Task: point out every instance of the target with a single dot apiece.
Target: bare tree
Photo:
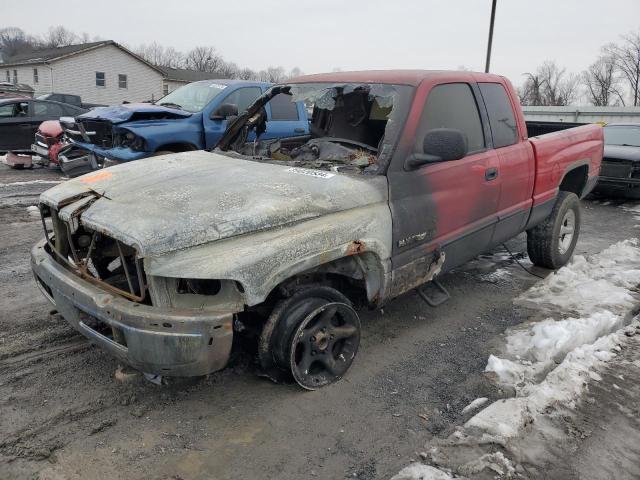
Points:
(160, 55)
(173, 58)
(627, 58)
(295, 72)
(59, 37)
(13, 41)
(247, 74)
(204, 59)
(272, 75)
(549, 85)
(602, 83)
(228, 70)
(531, 92)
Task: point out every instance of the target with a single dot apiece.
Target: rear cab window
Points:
(502, 120)
(452, 105)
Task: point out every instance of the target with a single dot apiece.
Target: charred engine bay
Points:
(351, 128)
(333, 154)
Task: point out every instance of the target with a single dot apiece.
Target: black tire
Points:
(276, 348)
(548, 243)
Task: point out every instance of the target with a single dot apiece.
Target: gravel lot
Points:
(69, 412)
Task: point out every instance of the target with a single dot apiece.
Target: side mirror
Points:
(224, 111)
(439, 145)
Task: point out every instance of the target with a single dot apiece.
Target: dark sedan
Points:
(620, 172)
(20, 117)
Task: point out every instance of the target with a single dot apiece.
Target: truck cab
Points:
(192, 117)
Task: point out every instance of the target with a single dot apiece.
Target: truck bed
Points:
(558, 152)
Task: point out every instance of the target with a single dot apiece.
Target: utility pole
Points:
(493, 17)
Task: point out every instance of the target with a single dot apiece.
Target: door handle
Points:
(24, 125)
(298, 130)
(491, 174)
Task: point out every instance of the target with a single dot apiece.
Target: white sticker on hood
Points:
(310, 173)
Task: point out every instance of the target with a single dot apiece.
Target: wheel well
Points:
(354, 276)
(575, 180)
(176, 147)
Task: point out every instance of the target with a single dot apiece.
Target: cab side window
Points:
(47, 110)
(11, 110)
(243, 97)
(501, 118)
(452, 105)
(283, 107)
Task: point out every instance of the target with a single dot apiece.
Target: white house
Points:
(177, 77)
(100, 72)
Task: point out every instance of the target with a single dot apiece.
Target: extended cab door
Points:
(448, 206)
(214, 127)
(516, 160)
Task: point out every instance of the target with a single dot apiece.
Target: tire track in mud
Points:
(32, 356)
(39, 441)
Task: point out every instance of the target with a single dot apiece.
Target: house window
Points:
(122, 81)
(165, 89)
(100, 81)
(15, 76)
(8, 76)
(35, 75)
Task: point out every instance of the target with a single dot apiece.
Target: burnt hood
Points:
(621, 152)
(130, 112)
(162, 204)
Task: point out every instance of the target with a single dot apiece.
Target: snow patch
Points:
(597, 292)
(418, 471)
(599, 282)
(550, 363)
(477, 403)
(496, 276)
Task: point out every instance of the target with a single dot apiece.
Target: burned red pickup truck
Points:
(405, 175)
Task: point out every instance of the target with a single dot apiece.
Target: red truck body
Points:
(471, 210)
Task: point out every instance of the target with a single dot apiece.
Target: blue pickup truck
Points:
(192, 117)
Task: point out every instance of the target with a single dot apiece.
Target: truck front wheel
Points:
(551, 244)
(313, 336)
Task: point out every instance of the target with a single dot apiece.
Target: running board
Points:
(433, 293)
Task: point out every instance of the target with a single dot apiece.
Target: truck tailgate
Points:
(558, 152)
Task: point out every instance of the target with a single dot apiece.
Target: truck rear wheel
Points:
(312, 336)
(551, 244)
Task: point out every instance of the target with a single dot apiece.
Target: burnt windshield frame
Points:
(401, 98)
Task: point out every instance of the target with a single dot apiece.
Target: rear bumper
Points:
(155, 340)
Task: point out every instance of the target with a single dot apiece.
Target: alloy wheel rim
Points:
(324, 345)
(567, 231)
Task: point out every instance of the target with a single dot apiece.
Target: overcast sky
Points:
(323, 35)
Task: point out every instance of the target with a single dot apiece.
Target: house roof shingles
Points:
(39, 56)
(184, 75)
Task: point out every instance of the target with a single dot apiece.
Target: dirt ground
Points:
(67, 412)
